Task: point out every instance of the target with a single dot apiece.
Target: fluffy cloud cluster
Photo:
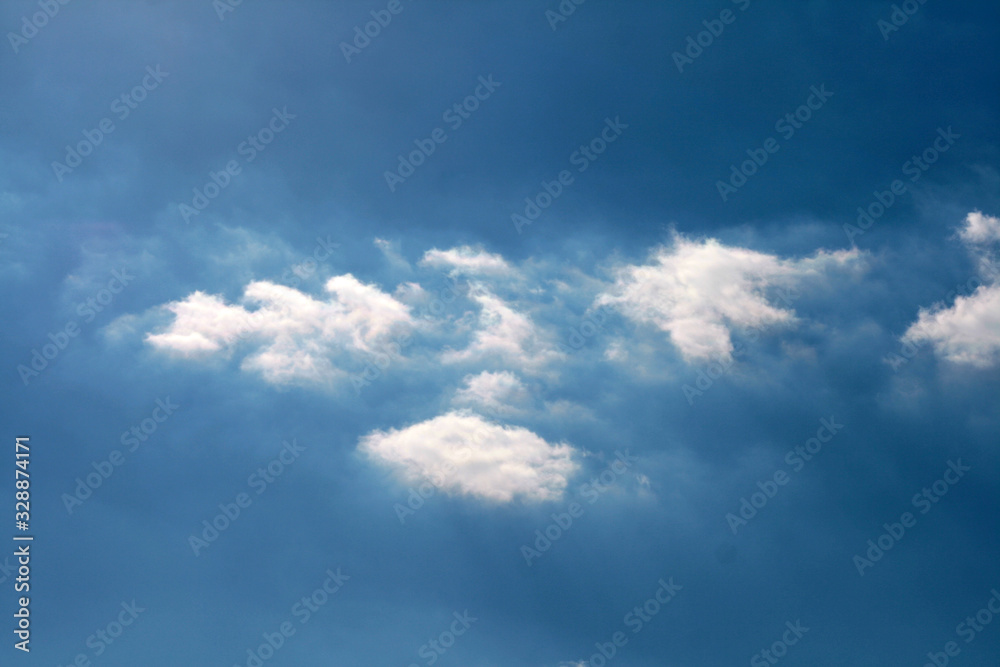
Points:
(297, 337)
(695, 291)
(698, 292)
(504, 335)
(980, 229)
(463, 454)
(968, 332)
(493, 393)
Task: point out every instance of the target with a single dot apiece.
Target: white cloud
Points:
(463, 454)
(616, 351)
(506, 335)
(968, 332)
(469, 261)
(698, 292)
(296, 336)
(203, 323)
(980, 229)
(495, 393)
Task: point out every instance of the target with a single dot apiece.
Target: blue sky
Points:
(503, 333)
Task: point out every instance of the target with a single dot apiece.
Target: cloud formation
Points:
(297, 336)
(469, 261)
(504, 336)
(968, 332)
(980, 229)
(463, 454)
(493, 393)
(698, 292)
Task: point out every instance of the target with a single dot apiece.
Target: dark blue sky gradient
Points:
(323, 176)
